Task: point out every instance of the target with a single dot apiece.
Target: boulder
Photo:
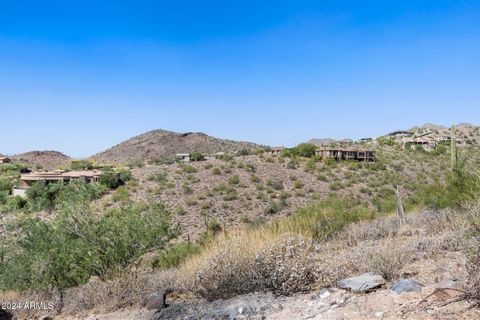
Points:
(156, 301)
(407, 285)
(364, 283)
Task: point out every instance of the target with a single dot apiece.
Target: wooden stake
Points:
(400, 211)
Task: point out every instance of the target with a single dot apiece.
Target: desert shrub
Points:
(254, 179)
(188, 169)
(234, 180)
(174, 255)
(335, 185)
(121, 195)
(205, 205)
(304, 150)
(191, 201)
(388, 260)
(285, 266)
(460, 186)
(42, 196)
(5, 185)
(208, 166)
(275, 184)
(216, 171)
(197, 156)
(385, 201)
(160, 177)
(77, 244)
(273, 207)
(226, 271)
(310, 165)
(243, 152)
(180, 211)
(225, 157)
(230, 195)
(324, 218)
(186, 189)
(321, 177)
(81, 165)
(292, 164)
(113, 179)
(16, 203)
(298, 184)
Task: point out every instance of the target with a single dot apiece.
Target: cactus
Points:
(453, 146)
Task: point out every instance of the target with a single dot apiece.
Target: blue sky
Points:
(81, 76)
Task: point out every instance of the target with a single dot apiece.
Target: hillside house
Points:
(448, 139)
(183, 157)
(27, 179)
(400, 134)
(5, 160)
(427, 143)
(276, 150)
(346, 154)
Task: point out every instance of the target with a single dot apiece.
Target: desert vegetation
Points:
(243, 224)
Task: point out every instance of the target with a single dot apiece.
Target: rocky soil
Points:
(437, 297)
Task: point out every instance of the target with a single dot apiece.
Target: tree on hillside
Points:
(304, 150)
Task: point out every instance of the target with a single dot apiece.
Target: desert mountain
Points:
(165, 144)
(430, 127)
(43, 159)
(322, 141)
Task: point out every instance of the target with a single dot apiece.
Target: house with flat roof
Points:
(346, 154)
(27, 179)
(183, 157)
(5, 160)
(427, 143)
(276, 150)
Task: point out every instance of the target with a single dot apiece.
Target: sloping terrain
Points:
(46, 160)
(424, 266)
(160, 144)
(255, 189)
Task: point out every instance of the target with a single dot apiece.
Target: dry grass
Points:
(280, 260)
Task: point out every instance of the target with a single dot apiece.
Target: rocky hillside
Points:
(258, 188)
(46, 160)
(159, 144)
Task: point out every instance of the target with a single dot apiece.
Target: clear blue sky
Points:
(80, 76)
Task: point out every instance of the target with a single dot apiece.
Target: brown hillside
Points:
(165, 144)
(43, 159)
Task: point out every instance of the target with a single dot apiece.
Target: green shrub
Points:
(234, 180)
(322, 219)
(112, 179)
(81, 165)
(304, 150)
(187, 189)
(292, 164)
(174, 255)
(78, 244)
(121, 195)
(298, 184)
(197, 156)
(16, 203)
(275, 184)
(160, 177)
(189, 169)
(42, 196)
(310, 165)
(5, 185)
